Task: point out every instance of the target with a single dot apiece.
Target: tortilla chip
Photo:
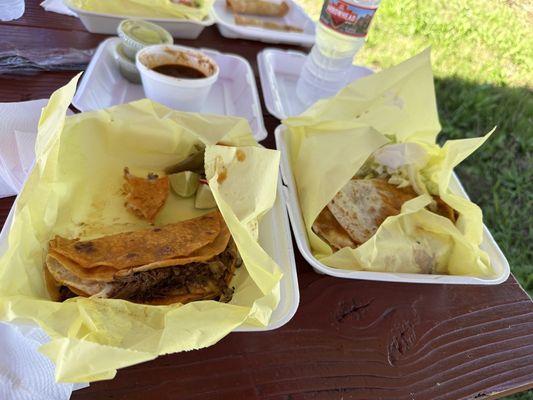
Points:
(145, 196)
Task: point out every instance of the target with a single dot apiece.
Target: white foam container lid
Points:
(234, 93)
(279, 71)
(107, 24)
(296, 17)
(274, 238)
(498, 260)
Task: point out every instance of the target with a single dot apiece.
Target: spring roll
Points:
(247, 21)
(258, 7)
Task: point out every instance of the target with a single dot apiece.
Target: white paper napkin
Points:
(25, 374)
(17, 142)
(57, 6)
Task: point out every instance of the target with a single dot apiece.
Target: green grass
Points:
(483, 64)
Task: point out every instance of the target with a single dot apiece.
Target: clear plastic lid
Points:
(136, 34)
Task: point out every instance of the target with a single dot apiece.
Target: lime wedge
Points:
(204, 198)
(184, 183)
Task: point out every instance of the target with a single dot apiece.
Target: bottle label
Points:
(346, 17)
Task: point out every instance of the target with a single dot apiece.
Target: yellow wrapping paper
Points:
(394, 111)
(146, 8)
(74, 190)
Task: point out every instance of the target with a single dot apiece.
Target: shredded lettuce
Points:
(399, 172)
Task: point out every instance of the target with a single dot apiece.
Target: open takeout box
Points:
(498, 260)
(332, 140)
(103, 16)
(73, 189)
(295, 17)
(279, 71)
(234, 93)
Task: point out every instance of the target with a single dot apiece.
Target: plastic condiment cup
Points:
(177, 93)
(137, 34)
(126, 66)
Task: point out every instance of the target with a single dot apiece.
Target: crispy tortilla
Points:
(355, 213)
(132, 249)
(258, 7)
(444, 209)
(362, 205)
(145, 196)
(259, 23)
(190, 260)
(329, 229)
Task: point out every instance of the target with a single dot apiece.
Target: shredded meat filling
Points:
(178, 280)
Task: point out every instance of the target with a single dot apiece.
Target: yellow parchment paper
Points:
(74, 191)
(145, 8)
(394, 111)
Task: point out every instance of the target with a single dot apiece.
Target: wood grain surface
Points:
(349, 339)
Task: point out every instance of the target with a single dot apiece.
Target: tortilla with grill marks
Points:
(357, 210)
(187, 261)
(131, 249)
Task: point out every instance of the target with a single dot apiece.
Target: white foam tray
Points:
(274, 238)
(279, 71)
(498, 260)
(234, 93)
(107, 23)
(296, 16)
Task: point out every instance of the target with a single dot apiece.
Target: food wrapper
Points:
(180, 9)
(74, 191)
(394, 111)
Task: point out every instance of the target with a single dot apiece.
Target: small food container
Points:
(179, 91)
(137, 34)
(126, 66)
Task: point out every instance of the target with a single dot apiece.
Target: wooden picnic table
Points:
(349, 339)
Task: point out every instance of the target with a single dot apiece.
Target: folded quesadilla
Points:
(176, 263)
(355, 213)
(258, 7)
(145, 196)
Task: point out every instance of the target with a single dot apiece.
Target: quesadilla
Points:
(176, 263)
(145, 196)
(355, 213)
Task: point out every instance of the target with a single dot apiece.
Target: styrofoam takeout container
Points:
(279, 71)
(498, 261)
(296, 17)
(107, 23)
(234, 92)
(274, 238)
